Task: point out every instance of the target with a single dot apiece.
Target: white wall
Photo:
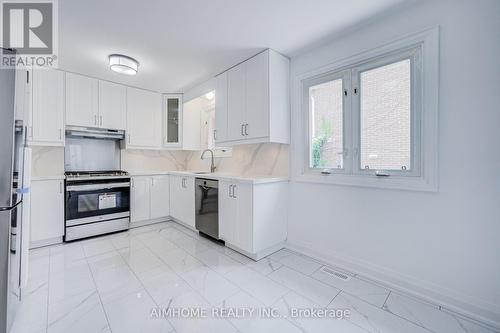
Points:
(444, 246)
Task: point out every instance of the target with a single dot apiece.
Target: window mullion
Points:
(355, 123)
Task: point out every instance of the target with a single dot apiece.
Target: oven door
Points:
(88, 202)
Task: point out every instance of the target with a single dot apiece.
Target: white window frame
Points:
(414, 54)
(423, 51)
(346, 105)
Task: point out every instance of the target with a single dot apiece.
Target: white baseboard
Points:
(46, 242)
(450, 300)
(148, 222)
(259, 255)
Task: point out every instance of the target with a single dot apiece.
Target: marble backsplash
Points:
(47, 161)
(153, 160)
(267, 159)
(247, 160)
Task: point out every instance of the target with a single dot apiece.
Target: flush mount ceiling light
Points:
(123, 64)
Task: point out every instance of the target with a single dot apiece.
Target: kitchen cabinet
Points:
(257, 112)
(182, 199)
(46, 115)
(160, 197)
(191, 123)
(235, 216)
(149, 199)
(144, 119)
(112, 105)
(140, 199)
(221, 114)
(253, 103)
(23, 95)
(82, 101)
(235, 103)
(94, 103)
(252, 217)
(172, 120)
(46, 212)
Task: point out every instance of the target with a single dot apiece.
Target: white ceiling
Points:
(180, 43)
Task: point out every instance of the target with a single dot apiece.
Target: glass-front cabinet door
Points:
(172, 116)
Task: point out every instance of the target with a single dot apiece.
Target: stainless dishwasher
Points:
(207, 207)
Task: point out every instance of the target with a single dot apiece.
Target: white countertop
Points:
(217, 176)
(258, 179)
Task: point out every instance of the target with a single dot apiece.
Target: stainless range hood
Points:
(94, 133)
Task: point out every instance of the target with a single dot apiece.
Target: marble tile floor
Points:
(122, 282)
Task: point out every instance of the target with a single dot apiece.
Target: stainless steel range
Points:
(97, 202)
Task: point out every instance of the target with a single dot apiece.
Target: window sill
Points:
(391, 183)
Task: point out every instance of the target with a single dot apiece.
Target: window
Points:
(385, 117)
(364, 120)
(372, 119)
(327, 132)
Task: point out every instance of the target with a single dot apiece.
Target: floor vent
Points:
(338, 275)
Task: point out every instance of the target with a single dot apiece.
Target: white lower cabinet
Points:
(252, 217)
(140, 199)
(160, 197)
(235, 214)
(182, 199)
(149, 199)
(46, 212)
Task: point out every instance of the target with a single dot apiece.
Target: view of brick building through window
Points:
(385, 120)
(327, 118)
(385, 117)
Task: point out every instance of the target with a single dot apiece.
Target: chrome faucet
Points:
(212, 165)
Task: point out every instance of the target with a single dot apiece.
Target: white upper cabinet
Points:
(112, 105)
(257, 111)
(257, 106)
(81, 101)
(221, 107)
(235, 103)
(144, 119)
(46, 118)
(191, 123)
(94, 103)
(172, 120)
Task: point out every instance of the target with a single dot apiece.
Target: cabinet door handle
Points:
(31, 131)
(61, 187)
(60, 134)
(129, 139)
(100, 120)
(230, 194)
(246, 129)
(234, 191)
(215, 134)
(242, 133)
(95, 120)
